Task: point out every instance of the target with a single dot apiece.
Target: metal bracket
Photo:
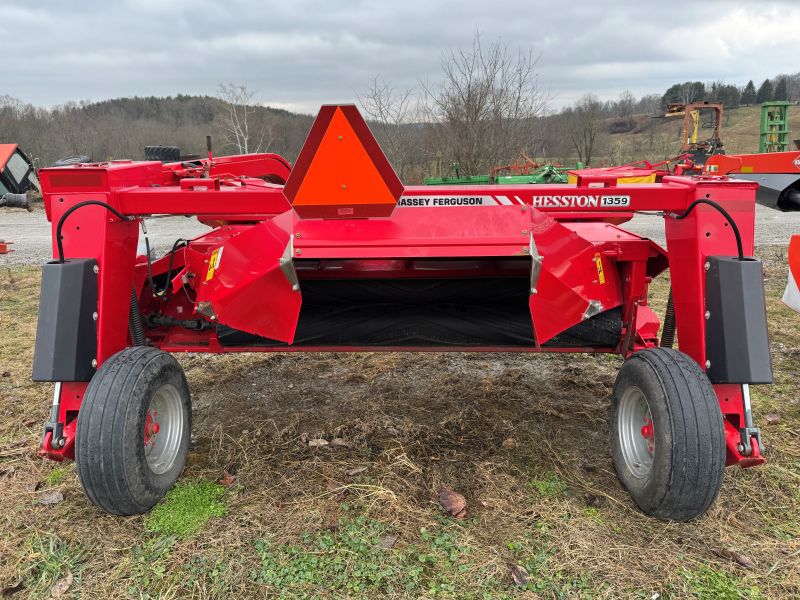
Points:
(287, 264)
(749, 431)
(746, 434)
(55, 427)
(536, 263)
(595, 307)
(204, 308)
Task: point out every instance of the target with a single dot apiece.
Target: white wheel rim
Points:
(163, 429)
(636, 433)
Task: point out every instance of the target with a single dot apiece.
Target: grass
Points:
(48, 558)
(186, 508)
(549, 487)
(57, 475)
(705, 582)
(349, 560)
(551, 504)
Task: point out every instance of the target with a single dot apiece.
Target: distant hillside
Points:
(740, 133)
(122, 127)
(655, 138)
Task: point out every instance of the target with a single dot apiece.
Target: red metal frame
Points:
(769, 162)
(581, 260)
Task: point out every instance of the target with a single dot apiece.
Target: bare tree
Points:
(649, 104)
(624, 107)
(391, 112)
(239, 120)
(585, 126)
(485, 109)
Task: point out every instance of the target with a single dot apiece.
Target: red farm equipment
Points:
(17, 177)
(777, 173)
(335, 254)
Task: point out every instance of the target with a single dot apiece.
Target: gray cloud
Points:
(303, 53)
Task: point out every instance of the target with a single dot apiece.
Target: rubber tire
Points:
(109, 445)
(689, 455)
(163, 153)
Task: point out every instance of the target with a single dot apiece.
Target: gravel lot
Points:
(30, 232)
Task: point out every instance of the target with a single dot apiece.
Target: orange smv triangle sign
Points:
(341, 171)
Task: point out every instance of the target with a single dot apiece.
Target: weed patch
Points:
(49, 559)
(57, 474)
(550, 486)
(355, 559)
(186, 509)
(706, 582)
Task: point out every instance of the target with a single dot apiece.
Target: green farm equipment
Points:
(544, 174)
(528, 172)
(774, 136)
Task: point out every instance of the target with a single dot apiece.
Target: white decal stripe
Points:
(439, 201)
(504, 200)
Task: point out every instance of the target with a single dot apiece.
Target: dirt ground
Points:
(523, 438)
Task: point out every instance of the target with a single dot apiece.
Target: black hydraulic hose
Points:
(135, 325)
(668, 333)
(135, 318)
(162, 292)
(724, 213)
(180, 242)
(72, 209)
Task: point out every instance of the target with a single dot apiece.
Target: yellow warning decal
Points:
(213, 263)
(601, 276)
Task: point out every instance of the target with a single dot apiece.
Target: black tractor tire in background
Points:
(162, 153)
(677, 474)
(123, 469)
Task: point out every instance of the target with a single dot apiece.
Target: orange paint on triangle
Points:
(342, 172)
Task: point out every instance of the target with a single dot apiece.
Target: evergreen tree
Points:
(764, 93)
(781, 92)
(749, 93)
(727, 94)
(686, 92)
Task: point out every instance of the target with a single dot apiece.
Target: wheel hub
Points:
(163, 429)
(648, 433)
(636, 432)
(151, 427)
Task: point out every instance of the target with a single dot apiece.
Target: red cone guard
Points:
(251, 285)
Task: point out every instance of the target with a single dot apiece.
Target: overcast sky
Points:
(299, 54)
